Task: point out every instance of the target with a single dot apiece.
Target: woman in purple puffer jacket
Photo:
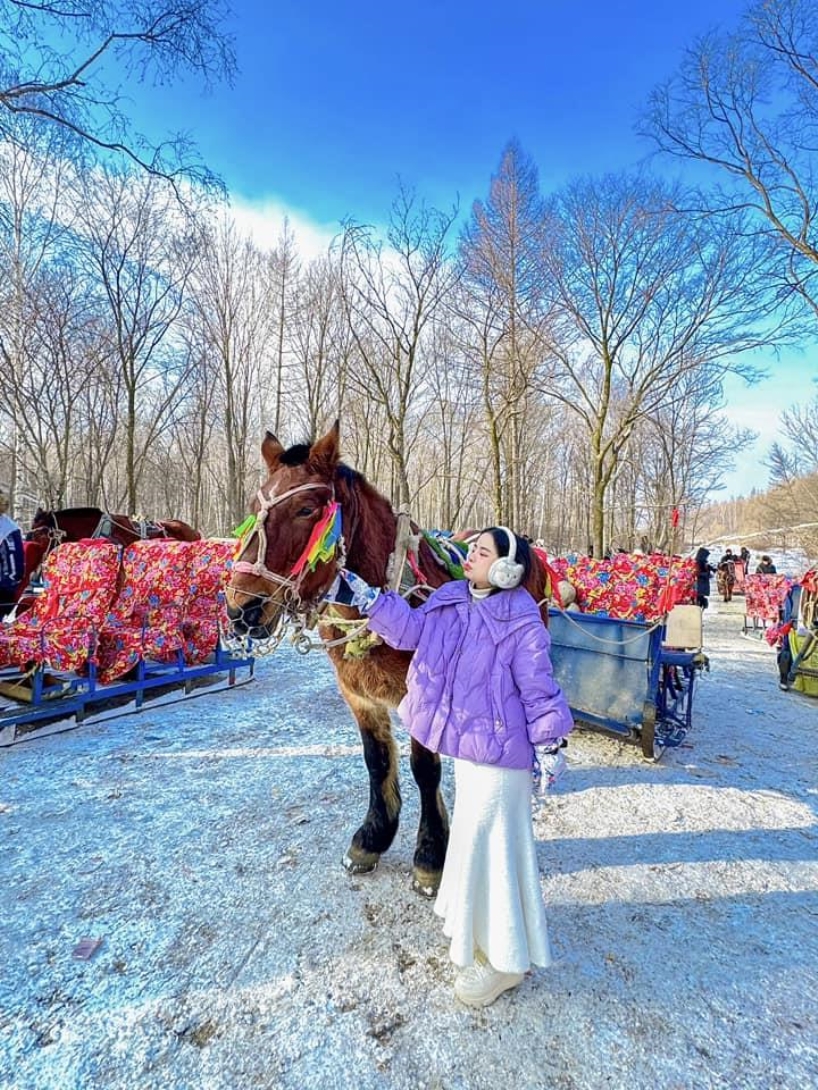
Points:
(481, 689)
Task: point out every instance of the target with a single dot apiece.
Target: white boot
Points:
(480, 984)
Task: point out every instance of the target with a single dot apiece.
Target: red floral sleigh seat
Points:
(764, 596)
(206, 609)
(60, 630)
(146, 619)
(629, 586)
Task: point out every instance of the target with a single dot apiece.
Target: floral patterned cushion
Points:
(206, 609)
(145, 621)
(60, 629)
(630, 587)
(764, 596)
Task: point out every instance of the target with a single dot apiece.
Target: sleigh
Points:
(629, 663)
(630, 677)
(764, 597)
(802, 638)
(114, 629)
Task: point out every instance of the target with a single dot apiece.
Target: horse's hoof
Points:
(425, 883)
(361, 863)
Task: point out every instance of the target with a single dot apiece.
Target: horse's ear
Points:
(324, 453)
(271, 450)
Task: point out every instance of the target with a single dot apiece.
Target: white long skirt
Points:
(490, 894)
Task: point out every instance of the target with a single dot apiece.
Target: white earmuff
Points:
(505, 573)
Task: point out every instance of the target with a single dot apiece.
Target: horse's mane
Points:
(369, 524)
(368, 517)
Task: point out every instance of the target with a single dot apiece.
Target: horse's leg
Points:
(433, 831)
(381, 755)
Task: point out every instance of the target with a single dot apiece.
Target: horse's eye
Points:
(305, 512)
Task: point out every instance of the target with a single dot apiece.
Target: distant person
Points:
(704, 570)
(766, 566)
(12, 562)
(745, 557)
(789, 616)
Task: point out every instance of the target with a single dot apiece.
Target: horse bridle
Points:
(55, 535)
(258, 568)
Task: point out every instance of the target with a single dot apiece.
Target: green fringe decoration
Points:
(244, 527)
(454, 569)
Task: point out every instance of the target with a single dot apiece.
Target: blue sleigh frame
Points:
(48, 701)
(617, 676)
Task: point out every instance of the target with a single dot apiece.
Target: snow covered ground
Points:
(202, 844)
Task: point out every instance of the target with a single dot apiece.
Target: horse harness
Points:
(307, 614)
(143, 528)
(290, 583)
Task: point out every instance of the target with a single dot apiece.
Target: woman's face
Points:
(481, 556)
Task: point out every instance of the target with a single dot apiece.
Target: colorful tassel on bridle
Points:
(323, 540)
(245, 527)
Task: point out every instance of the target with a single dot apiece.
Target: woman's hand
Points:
(350, 590)
(550, 765)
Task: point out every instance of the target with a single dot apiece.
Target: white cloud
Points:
(264, 221)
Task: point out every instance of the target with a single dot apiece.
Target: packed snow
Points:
(201, 842)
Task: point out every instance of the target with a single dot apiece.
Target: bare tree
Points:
(391, 295)
(645, 297)
(747, 104)
(793, 465)
(58, 62)
(33, 221)
(283, 269)
(797, 455)
(141, 252)
(450, 467)
(320, 345)
(63, 324)
(503, 302)
(682, 453)
(196, 445)
(231, 336)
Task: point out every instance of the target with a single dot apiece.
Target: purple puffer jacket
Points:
(480, 685)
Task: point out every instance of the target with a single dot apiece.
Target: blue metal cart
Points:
(619, 676)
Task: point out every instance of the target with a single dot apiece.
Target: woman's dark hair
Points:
(522, 549)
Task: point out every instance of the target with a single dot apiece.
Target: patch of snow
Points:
(202, 842)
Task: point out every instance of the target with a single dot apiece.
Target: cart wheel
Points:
(648, 732)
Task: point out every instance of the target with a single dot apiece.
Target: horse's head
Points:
(43, 527)
(286, 560)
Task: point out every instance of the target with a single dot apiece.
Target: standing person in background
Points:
(766, 566)
(745, 558)
(703, 572)
(481, 689)
(12, 563)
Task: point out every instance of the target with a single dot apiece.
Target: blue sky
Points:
(335, 101)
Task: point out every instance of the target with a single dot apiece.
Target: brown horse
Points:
(51, 528)
(301, 484)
